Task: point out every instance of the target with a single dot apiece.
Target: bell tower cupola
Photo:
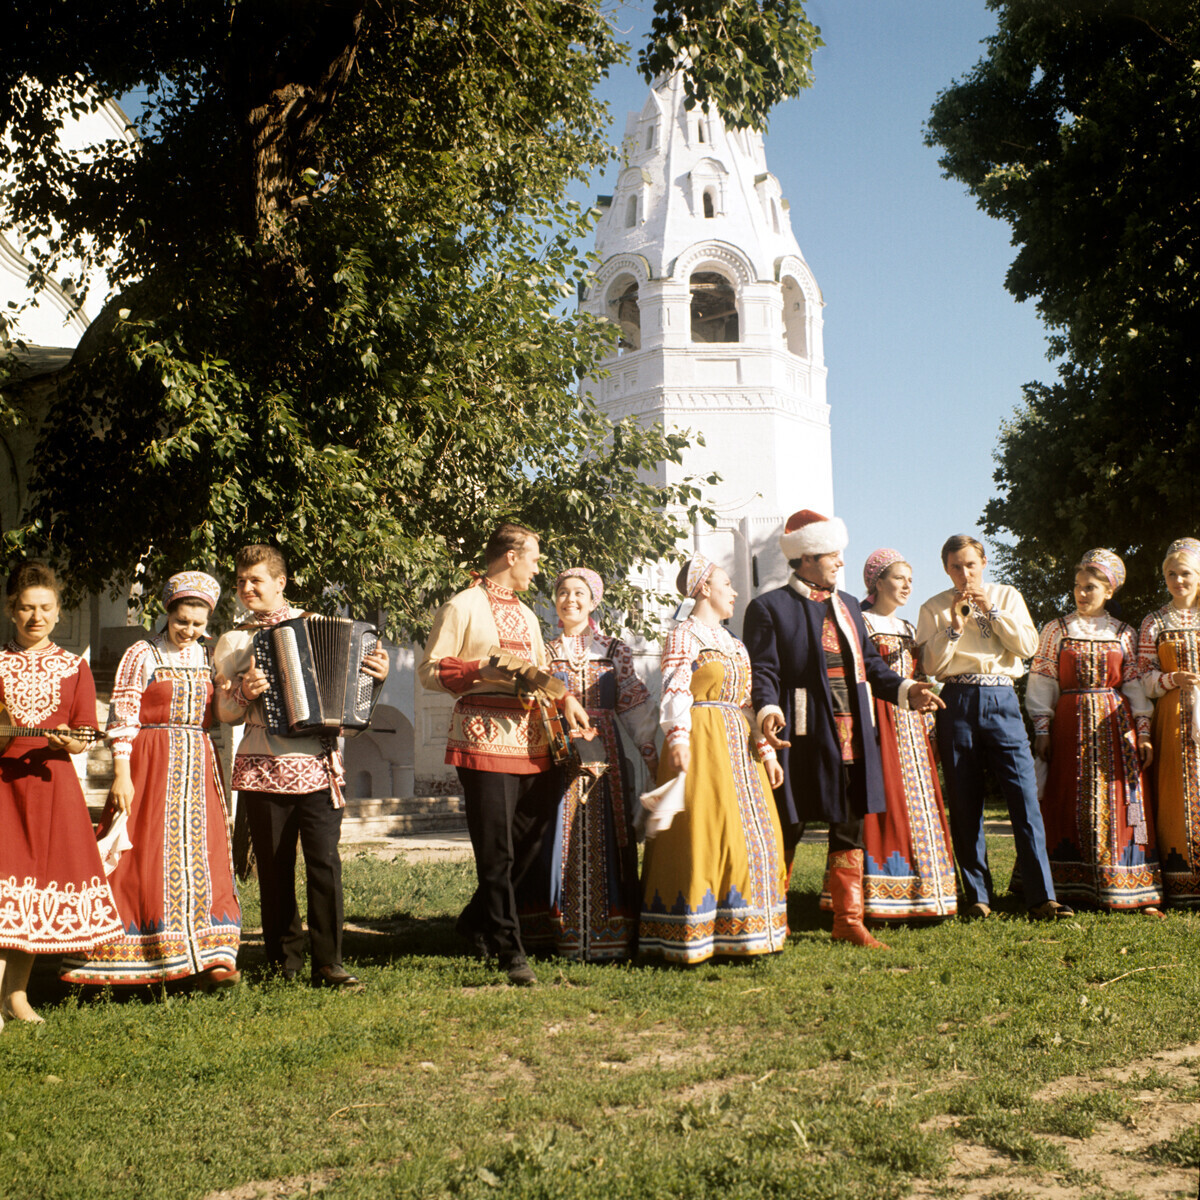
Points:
(720, 323)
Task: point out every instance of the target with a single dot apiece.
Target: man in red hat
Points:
(814, 672)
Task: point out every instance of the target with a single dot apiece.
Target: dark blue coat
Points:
(782, 632)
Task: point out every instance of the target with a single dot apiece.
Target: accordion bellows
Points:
(315, 681)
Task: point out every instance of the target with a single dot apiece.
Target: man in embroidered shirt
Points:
(291, 787)
(973, 637)
(497, 740)
(812, 661)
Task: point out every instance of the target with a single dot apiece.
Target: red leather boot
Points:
(846, 891)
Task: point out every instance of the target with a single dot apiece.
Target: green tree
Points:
(343, 258)
(1079, 128)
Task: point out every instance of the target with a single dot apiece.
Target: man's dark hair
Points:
(506, 536)
(960, 541)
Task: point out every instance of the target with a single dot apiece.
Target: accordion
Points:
(315, 681)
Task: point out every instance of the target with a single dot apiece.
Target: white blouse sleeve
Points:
(1131, 682)
(675, 709)
(124, 710)
(1153, 677)
(1043, 689)
(635, 709)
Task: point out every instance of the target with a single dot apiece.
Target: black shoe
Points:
(519, 972)
(336, 976)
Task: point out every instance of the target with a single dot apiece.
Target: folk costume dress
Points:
(591, 863)
(174, 889)
(715, 881)
(54, 897)
(1084, 692)
(1169, 642)
(908, 870)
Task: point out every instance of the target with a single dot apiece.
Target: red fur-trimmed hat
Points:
(808, 532)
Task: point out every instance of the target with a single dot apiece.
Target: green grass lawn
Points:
(824, 1072)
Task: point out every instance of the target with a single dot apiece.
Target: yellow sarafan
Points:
(715, 882)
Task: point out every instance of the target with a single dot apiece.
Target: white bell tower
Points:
(721, 328)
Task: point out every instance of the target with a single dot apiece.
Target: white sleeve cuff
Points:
(902, 698)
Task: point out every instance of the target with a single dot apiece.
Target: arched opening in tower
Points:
(714, 308)
(709, 208)
(623, 310)
(795, 322)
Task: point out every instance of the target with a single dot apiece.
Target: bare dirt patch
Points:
(1112, 1162)
(1181, 1066)
(277, 1189)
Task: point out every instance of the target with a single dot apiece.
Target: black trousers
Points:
(843, 835)
(276, 822)
(507, 817)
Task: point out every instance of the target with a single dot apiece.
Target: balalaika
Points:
(315, 681)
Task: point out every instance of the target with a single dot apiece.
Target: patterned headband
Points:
(1188, 546)
(875, 566)
(699, 571)
(1107, 563)
(594, 583)
(192, 585)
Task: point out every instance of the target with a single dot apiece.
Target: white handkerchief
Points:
(657, 809)
(114, 843)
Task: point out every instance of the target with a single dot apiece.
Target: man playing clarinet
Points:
(973, 638)
(497, 739)
(291, 786)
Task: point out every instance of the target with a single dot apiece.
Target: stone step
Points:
(375, 829)
(403, 806)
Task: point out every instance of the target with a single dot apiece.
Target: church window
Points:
(700, 129)
(710, 210)
(631, 212)
(795, 318)
(714, 308)
(650, 136)
(623, 310)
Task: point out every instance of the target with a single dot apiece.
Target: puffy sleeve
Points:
(675, 709)
(935, 641)
(231, 660)
(124, 710)
(635, 710)
(1012, 623)
(1043, 689)
(1131, 682)
(1155, 681)
(441, 669)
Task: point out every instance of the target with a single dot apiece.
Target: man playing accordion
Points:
(291, 786)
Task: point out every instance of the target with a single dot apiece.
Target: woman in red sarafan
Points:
(174, 889)
(1089, 713)
(909, 864)
(53, 894)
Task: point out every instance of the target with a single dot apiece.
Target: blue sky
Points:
(926, 350)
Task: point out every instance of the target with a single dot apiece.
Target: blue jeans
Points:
(982, 726)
